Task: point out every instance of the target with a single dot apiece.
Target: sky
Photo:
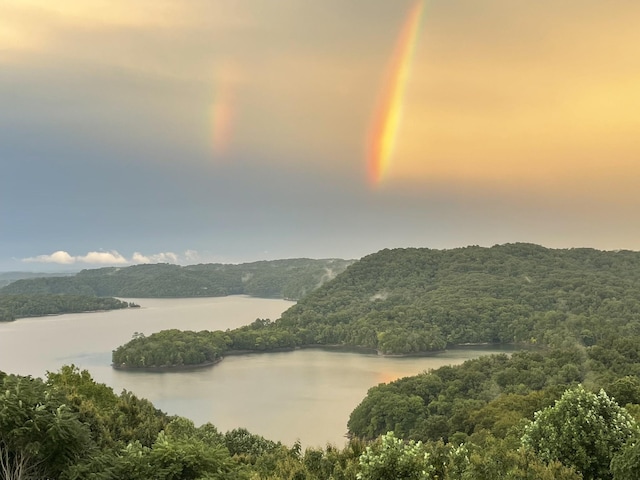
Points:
(231, 131)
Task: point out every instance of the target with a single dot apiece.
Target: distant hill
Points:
(7, 277)
(292, 278)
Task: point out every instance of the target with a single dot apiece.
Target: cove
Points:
(304, 395)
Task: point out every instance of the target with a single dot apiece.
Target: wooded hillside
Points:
(292, 278)
(410, 300)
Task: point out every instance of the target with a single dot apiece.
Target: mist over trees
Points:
(408, 300)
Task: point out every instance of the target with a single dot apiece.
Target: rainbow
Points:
(222, 118)
(387, 120)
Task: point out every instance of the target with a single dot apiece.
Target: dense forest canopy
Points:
(34, 305)
(292, 279)
(496, 392)
(411, 301)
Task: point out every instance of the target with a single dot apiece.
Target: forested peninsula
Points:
(417, 300)
(34, 305)
(290, 279)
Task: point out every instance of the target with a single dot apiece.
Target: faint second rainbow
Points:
(226, 78)
(386, 123)
(221, 118)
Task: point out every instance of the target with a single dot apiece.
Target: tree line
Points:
(18, 306)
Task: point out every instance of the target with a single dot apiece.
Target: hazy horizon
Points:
(228, 132)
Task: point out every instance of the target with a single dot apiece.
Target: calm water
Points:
(305, 394)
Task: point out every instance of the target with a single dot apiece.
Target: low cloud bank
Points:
(112, 257)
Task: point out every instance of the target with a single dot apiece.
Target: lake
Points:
(304, 395)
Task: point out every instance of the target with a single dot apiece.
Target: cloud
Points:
(112, 258)
(140, 258)
(107, 258)
(64, 258)
(191, 256)
(60, 257)
(163, 257)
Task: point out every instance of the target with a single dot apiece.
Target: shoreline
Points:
(167, 368)
(137, 306)
(46, 315)
(338, 348)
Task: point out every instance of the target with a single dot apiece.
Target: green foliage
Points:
(73, 428)
(183, 428)
(39, 435)
(176, 348)
(582, 429)
(249, 446)
(625, 465)
(33, 305)
(172, 348)
(95, 404)
(493, 392)
(390, 458)
(385, 411)
(489, 458)
(269, 279)
(625, 390)
(47, 285)
(168, 458)
(112, 419)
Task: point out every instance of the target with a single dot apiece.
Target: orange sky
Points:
(502, 94)
(532, 105)
(539, 97)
